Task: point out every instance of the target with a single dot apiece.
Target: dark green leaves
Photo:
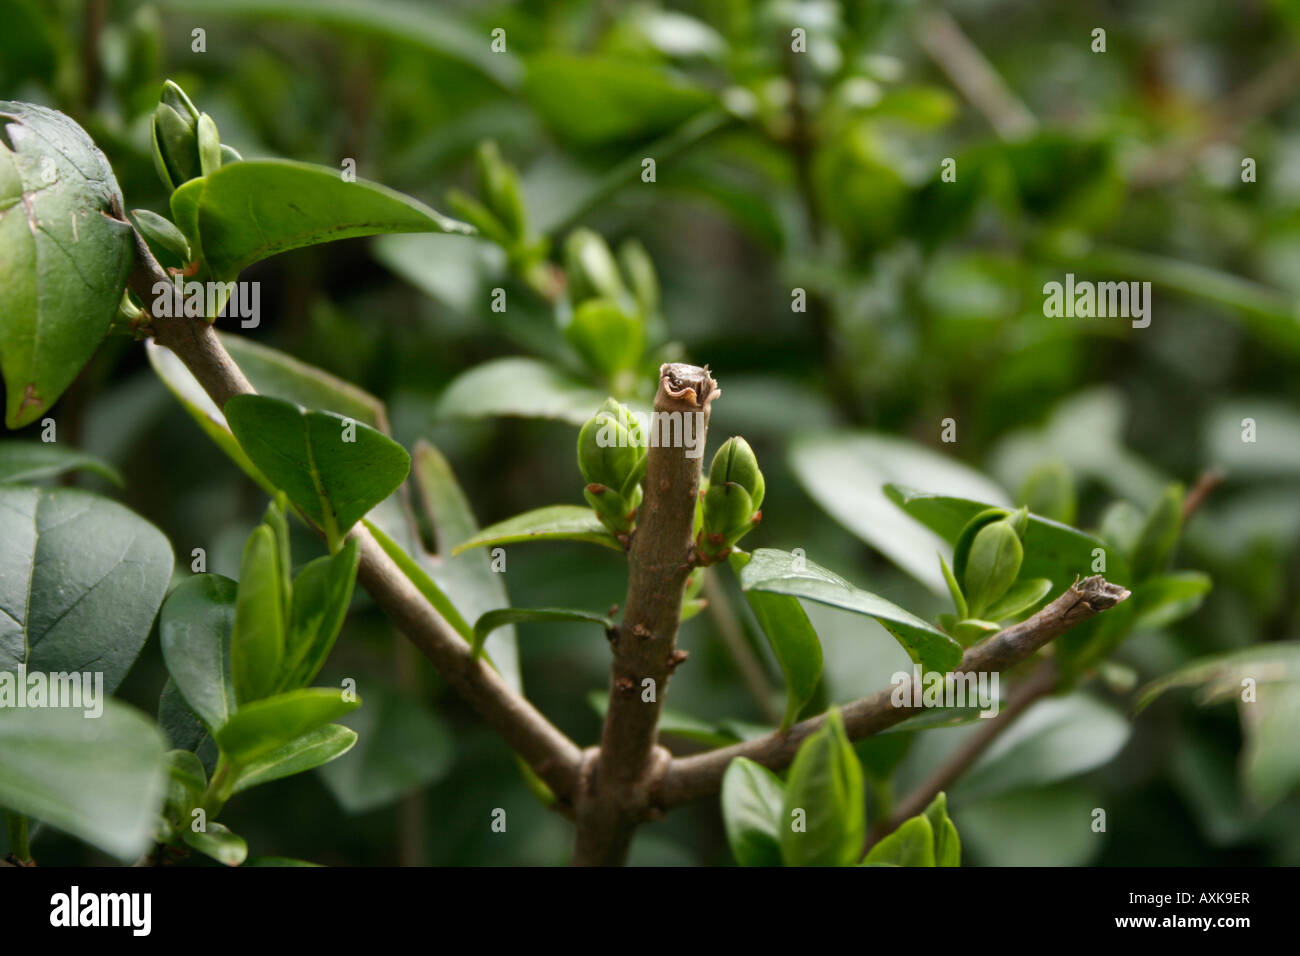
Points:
(247, 211)
(824, 816)
(322, 592)
(65, 253)
(795, 643)
(81, 578)
(783, 573)
(257, 644)
(333, 468)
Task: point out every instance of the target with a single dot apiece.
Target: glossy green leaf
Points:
(263, 726)
(217, 841)
(401, 747)
(254, 209)
(101, 780)
(521, 387)
(782, 573)
(753, 800)
(257, 640)
(333, 468)
(195, 627)
(25, 462)
(553, 523)
(313, 749)
(794, 641)
(162, 233)
(912, 844)
(824, 816)
(322, 592)
(65, 252)
(846, 474)
(81, 578)
(492, 620)
(423, 582)
(994, 563)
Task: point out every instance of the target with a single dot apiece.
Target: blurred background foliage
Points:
(774, 171)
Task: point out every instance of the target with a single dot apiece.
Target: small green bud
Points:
(729, 514)
(591, 270)
(608, 339)
(179, 143)
(612, 458)
(162, 233)
(735, 461)
(992, 566)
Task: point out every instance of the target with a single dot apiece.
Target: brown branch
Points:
(550, 753)
(700, 775)
(1204, 487)
(614, 792)
(1035, 687)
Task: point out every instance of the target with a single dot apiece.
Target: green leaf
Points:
(162, 233)
(81, 578)
(333, 468)
(520, 387)
(423, 583)
(553, 523)
(846, 473)
(781, 573)
(313, 749)
(65, 252)
(947, 844)
(753, 800)
(912, 844)
(252, 210)
(492, 620)
(608, 339)
(402, 747)
(599, 100)
(257, 640)
(795, 643)
(1220, 676)
(27, 462)
(1159, 533)
(102, 780)
(1056, 738)
(322, 592)
(954, 589)
(218, 842)
(825, 783)
(259, 728)
(1024, 594)
(195, 628)
(1161, 600)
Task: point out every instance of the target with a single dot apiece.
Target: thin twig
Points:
(1204, 487)
(700, 775)
(613, 795)
(733, 637)
(549, 752)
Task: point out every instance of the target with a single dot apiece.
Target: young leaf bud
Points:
(729, 514)
(735, 461)
(993, 564)
(592, 272)
(611, 449)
